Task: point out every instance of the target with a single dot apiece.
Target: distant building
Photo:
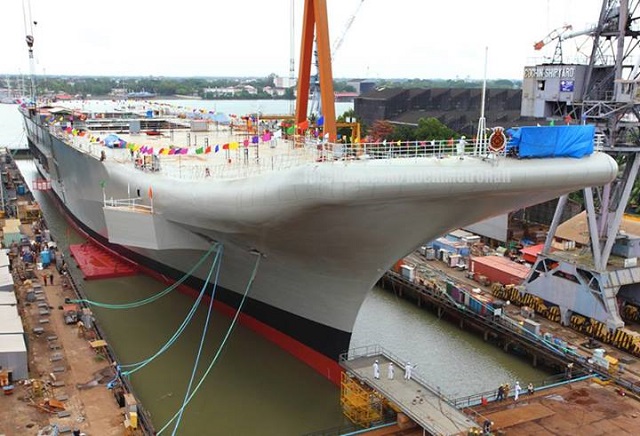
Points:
(274, 91)
(457, 108)
(118, 92)
(228, 91)
(284, 82)
(362, 86)
(345, 96)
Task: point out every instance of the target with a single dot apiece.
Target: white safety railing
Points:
(127, 204)
(280, 154)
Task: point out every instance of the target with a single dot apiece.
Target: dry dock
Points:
(69, 363)
(585, 407)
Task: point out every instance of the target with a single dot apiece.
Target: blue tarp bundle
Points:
(113, 141)
(553, 141)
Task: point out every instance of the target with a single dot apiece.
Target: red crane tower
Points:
(316, 23)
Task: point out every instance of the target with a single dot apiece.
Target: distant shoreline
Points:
(174, 97)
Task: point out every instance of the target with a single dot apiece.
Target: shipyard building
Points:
(457, 108)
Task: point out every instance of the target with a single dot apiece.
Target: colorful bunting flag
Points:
(199, 150)
(208, 149)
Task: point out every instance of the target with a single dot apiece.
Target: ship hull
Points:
(326, 231)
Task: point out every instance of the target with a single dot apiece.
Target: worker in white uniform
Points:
(407, 370)
(461, 146)
(376, 370)
(390, 371)
(517, 391)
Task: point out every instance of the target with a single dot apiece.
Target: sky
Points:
(387, 39)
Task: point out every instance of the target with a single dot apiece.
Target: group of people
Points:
(391, 369)
(46, 276)
(505, 389)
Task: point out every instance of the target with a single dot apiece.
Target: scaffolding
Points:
(361, 404)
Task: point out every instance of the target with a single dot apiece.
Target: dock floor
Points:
(62, 360)
(414, 397)
(583, 407)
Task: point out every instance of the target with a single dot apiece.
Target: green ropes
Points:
(205, 328)
(218, 352)
(155, 296)
(139, 365)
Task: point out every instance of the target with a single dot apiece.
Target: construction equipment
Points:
(338, 43)
(361, 404)
(130, 414)
(71, 313)
(552, 36)
(49, 405)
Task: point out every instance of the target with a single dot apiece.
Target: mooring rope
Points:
(218, 352)
(154, 297)
(139, 365)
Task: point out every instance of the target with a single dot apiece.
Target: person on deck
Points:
(461, 146)
(500, 394)
(376, 370)
(408, 368)
(390, 371)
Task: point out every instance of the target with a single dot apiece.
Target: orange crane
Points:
(552, 36)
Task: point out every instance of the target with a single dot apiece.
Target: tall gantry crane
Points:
(316, 28)
(316, 106)
(604, 91)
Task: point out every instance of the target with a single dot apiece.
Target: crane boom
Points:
(340, 40)
(554, 34)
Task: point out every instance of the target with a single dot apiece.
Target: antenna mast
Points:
(481, 136)
(292, 55)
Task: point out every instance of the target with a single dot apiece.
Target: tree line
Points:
(196, 87)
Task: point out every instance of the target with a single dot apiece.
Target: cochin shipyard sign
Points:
(550, 72)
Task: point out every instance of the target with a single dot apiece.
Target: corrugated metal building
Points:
(8, 299)
(13, 356)
(499, 269)
(6, 279)
(4, 258)
(452, 247)
(455, 107)
(10, 322)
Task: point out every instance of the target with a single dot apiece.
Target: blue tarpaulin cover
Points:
(113, 141)
(553, 141)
